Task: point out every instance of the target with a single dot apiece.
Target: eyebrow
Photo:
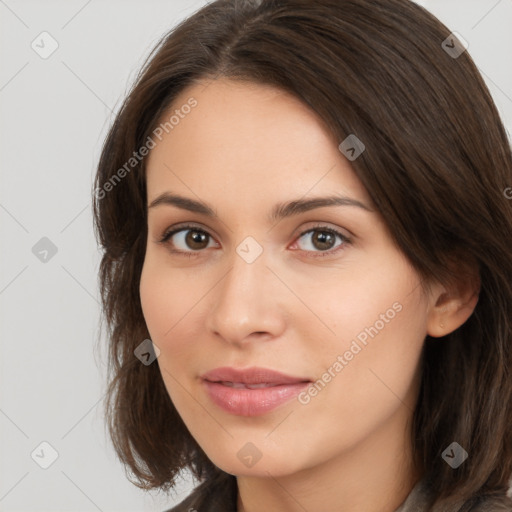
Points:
(280, 210)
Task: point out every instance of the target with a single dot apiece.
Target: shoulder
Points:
(422, 498)
(488, 504)
(215, 494)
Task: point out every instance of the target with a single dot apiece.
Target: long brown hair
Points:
(436, 165)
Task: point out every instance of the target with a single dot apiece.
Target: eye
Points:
(322, 239)
(189, 240)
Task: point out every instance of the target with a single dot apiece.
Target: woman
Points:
(307, 271)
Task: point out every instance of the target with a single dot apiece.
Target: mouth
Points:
(254, 376)
(241, 385)
(253, 391)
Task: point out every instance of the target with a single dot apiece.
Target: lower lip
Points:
(252, 402)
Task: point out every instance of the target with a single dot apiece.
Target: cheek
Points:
(163, 306)
(372, 301)
(162, 301)
(379, 321)
(169, 302)
(153, 295)
(376, 380)
(380, 347)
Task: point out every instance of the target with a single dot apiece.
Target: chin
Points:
(276, 465)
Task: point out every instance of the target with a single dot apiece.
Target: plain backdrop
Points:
(55, 112)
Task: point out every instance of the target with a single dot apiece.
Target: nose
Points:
(248, 303)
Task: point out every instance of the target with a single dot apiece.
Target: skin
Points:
(242, 149)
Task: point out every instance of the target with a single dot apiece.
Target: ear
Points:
(450, 305)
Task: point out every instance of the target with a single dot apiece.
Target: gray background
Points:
(54, 116)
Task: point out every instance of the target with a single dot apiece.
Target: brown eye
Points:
(187, 239)
(196, 239)
(323, 240)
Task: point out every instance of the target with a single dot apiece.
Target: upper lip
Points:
(254, 375)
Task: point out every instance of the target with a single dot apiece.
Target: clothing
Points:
(220, 495)
(217, 495)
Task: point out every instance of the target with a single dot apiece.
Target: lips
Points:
(261, 377)
(253, 391)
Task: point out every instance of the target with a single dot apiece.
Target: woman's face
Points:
(267, 282)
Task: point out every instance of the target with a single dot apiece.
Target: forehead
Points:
(252, 138)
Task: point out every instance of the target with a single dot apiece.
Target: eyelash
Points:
(191, 254)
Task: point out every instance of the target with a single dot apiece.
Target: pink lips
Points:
(253, 391)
